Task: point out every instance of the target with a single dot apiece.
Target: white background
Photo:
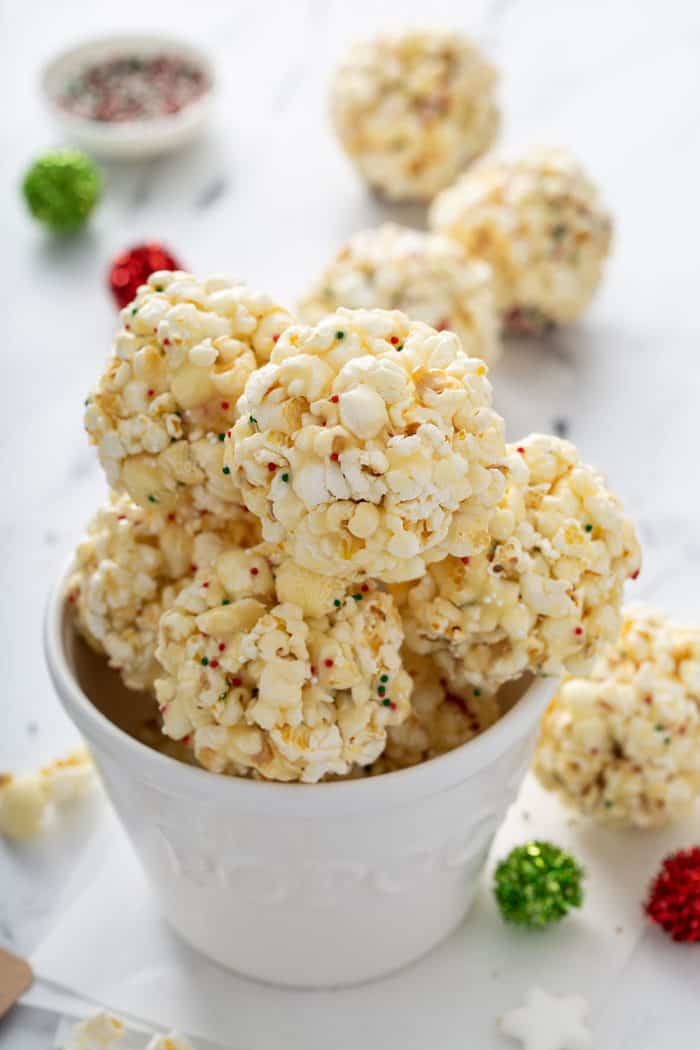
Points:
(267, 195)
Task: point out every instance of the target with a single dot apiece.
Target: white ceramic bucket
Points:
(307, 885)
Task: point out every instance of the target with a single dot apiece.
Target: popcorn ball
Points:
(546, 592)
(129, 568)
(440, 718)
(412, 109)
(425, 275)
(367, 446)
(623, 745)
(25, 799)
(161, 410)
(276, 670)
(540, 225)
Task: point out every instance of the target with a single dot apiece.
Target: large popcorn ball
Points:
(425, 275)
(541, 226)
(440, 719)
(167, 397)
(623, 745)
(546, 592)
(277, 670)
(368, 446)
(413, 109)
(128, 568)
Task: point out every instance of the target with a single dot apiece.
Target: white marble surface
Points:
(267, 195)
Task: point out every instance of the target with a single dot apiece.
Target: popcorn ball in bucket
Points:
(623, 745)
(272, 669)
(425, 275)
(367, 446)
(161, 409)
(546, 592)
(412, 109)
(128, 569)
(539, 223)
(440, 718)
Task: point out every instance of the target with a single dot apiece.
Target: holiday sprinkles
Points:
(133, 87)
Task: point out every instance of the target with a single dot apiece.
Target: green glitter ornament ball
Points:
(61, 189)
(537, 884)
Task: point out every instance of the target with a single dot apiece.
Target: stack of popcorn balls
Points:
(319, 554)
(515, 244)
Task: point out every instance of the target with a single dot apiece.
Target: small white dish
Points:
(132, 139)
(308, 885)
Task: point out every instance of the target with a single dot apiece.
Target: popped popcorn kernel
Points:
(424, 275)
(181, 359)
(283, 674)
(25, 799)
(546, 591)
(367, 445)
(129, 568)
(540, 225)
(623, 745)
(413, 109)
(99, 1032)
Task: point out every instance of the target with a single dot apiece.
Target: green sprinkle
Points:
(340, 335)
(336, 602)
(537, 884)
(226, 601)
(178, 413)
(285, 477)
(357, 597)
(400, 347)
(384, 678)
(222, 437)
(607, 804)
(253, 421)
(225, 470)
(152, 499)
(659, 728)
(588, 528)
(381, 690)
(667, 740)
(387, 702)
(204, 661)
(158, 287)
(477, 692)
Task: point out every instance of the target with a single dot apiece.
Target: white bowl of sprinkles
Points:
(130, 96)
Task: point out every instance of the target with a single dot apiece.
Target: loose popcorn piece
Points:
(540, 225)
(547, 591)
(167, 397)
(440, 719)
(412, 109)
(277, 670)
(425, 275)
(368, 446)
(129, 568)
(623, 746)
(71, 778)
(23, 802)
(99, 1032)
(25, 799)
(172, 1041)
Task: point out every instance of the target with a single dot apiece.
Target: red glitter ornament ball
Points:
(674, 896)
(132, 268)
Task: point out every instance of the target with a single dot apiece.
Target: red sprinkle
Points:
(254, 571)
(171, 516)
(214, 664)
(121, 517)
(193, 568)
(328, 663)
(275, 338)
(224, 405)
(313, 669)
(394, 340)
(465, 561)
(392, 706)
(272, 466)
(222, 646)
(578, 630)
(635, 574)
(674, 896)
(521, 448)
(235, 682)
(335, 399)
(364, 588)
(150, 391)
(335, 457)
(205, 584)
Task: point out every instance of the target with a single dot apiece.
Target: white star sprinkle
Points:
(548, 1023)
